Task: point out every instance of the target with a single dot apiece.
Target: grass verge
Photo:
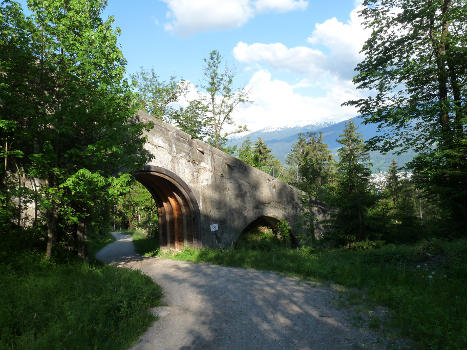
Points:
(50, 305)
(144, 245)
(424, 285)
(97, 242)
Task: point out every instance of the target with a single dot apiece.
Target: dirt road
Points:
(215, 307)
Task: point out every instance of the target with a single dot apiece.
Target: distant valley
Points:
(280, 142)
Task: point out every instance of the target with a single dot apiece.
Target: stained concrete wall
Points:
(227, 191)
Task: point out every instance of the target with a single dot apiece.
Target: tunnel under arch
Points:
(262, 220)
(270, 222)
(178, 209)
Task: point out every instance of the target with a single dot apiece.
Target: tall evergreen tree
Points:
(245, 152)
(314, 163)
(353, 196)
(392, 182)
(261, 154)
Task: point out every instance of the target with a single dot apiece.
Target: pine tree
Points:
(315, 165)
(245, 152)
(393, 183)
(261, 154)
(353, 196)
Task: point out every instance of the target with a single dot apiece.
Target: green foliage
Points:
(66, 105)
(221, 99)
(259, 156)
(166, 101)
(314, 166)
(266, 237)
(245, 152)
(423, 285)
(135, 207)
(145, 244)
(353, 196)
(416, 64)
(262, 238)
(363, 245)
(81, 194)
(46, 304)
(283, 231)
(95, 241)
(306, 227)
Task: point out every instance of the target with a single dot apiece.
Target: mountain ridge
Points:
(281, 141)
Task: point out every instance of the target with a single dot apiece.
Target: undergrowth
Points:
(144, 244)
(54, 305)
(94, 243)
(423, 285)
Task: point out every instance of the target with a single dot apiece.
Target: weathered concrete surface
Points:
(197, 185)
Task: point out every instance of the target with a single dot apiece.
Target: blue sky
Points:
(296, 57)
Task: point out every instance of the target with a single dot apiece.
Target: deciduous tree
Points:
(167, 100)
(76, 110)
(416, 69)
(221, 100)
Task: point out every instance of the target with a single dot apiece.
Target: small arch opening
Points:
(177, 208)
(263, 233)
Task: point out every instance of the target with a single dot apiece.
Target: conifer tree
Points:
(353, 195)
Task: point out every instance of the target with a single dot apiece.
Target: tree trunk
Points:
(439, 50)
(52, 218)
(81, 240)
(51, 227)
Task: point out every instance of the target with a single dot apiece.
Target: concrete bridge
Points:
(206, 197)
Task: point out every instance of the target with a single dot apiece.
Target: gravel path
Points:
(216, 307)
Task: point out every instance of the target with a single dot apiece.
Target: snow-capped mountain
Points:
(280, 141)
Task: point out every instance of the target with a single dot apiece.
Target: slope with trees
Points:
(416, 64)
(259, 156)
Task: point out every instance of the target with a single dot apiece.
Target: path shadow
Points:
(215, 307)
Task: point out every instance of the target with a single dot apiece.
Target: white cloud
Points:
(280, 5)
(343, 42)
(300, 59)
(277, 104)
(188, 17)
(325, 67)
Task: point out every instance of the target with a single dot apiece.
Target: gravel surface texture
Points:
(216, 307)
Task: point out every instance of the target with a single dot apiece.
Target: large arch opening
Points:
(177, 207)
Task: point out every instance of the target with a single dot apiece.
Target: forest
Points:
(69, 144)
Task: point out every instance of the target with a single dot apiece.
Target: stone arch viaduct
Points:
(206, 197)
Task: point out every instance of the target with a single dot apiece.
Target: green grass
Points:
(423, 285)
(50, 305)
(96, 243)
(144, 245)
